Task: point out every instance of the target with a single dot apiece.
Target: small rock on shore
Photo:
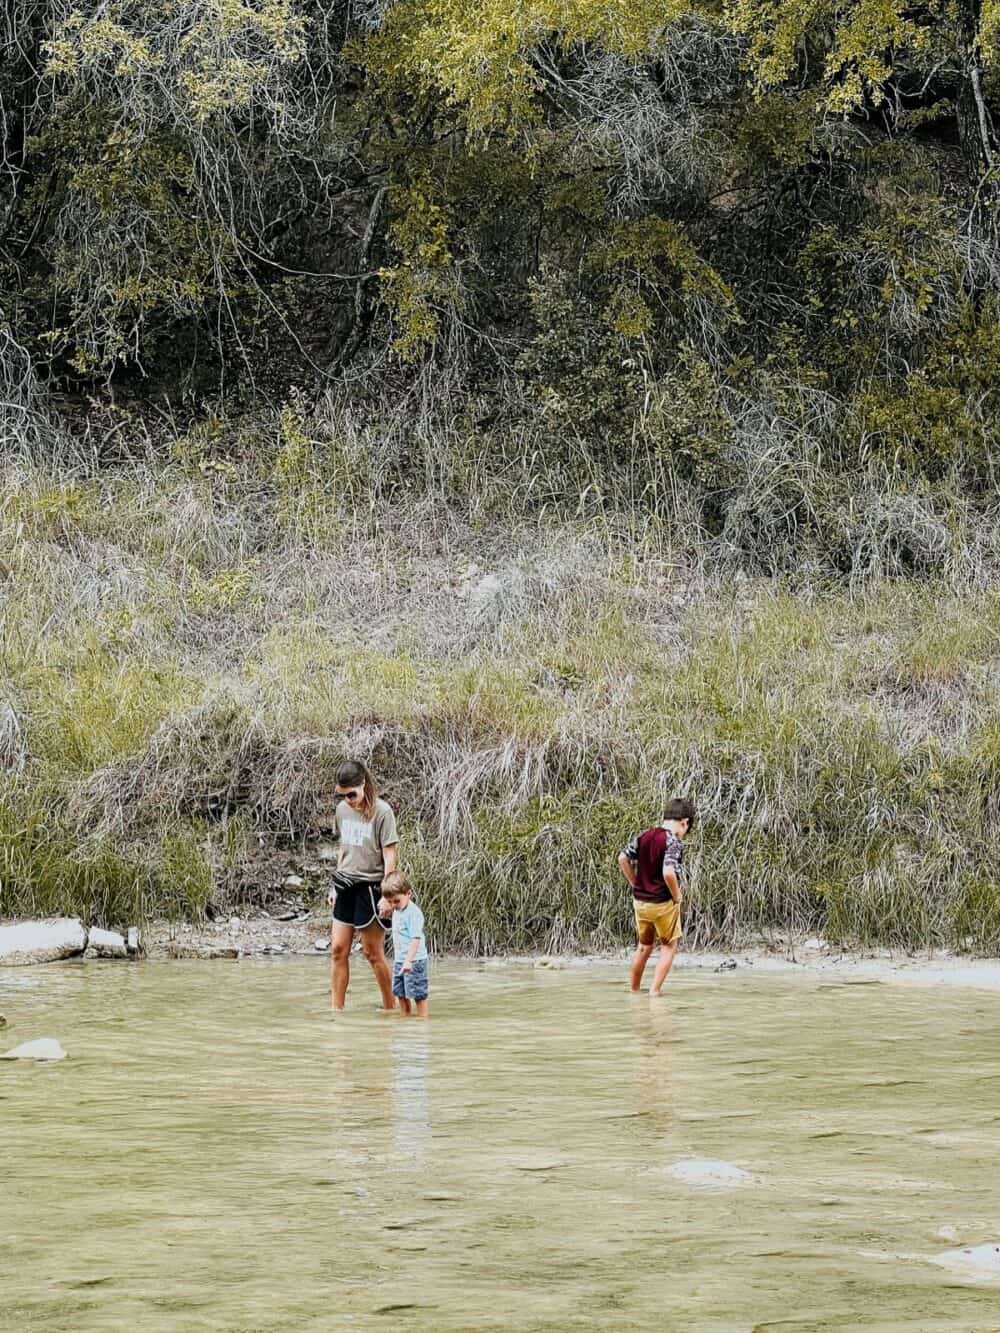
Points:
(184, 949)
(105, 944)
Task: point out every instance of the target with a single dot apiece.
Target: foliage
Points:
(703, 287)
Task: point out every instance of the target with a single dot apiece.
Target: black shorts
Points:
(355, 903)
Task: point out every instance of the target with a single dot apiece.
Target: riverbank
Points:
(528, 695)
(285, 935)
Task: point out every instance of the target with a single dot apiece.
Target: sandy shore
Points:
(290, 934)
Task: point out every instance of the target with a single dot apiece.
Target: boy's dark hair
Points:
(678, 809)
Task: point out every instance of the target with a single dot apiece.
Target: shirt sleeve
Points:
(386, 828)
(673, 854)
(416, 923)
(631, 849)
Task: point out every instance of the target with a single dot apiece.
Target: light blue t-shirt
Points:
(407, 926)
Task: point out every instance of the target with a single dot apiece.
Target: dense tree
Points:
(591, 202)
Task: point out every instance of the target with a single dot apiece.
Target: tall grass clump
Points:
(193, 640)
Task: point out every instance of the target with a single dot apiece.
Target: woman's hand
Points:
(331, 897)
(383, 908)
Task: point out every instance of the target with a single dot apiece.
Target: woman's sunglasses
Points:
(350, 795)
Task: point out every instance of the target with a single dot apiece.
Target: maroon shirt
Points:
(652, 853)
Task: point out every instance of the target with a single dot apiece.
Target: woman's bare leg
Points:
(373, 943)
(341, 939)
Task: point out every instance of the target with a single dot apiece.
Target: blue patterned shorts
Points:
(412, 985)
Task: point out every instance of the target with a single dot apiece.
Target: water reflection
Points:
(411, 1112)
(655, 1029)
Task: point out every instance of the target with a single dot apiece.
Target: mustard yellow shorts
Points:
(657, 921)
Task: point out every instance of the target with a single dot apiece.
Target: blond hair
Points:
(396, 882)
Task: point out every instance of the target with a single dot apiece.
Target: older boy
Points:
(652, 865)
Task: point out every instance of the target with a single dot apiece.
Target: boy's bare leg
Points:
(405, 1006)
(421, 1008)
(663, 966)
(373, 944)
(341, 939)
(639, 960)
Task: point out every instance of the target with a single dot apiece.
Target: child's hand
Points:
(407, 967)
(383, 908)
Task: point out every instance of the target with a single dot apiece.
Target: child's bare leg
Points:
(663, 966)
(639, 960)
(405, 1006)
(421, 1008)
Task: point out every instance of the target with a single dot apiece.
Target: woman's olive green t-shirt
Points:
(362, 840)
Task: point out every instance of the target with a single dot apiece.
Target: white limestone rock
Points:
(705, 1173)
(42, 1048)
(41, 941)
(981, 1260)
(106, 944)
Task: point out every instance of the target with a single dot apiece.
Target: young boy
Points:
(409, 967)
(652, 865)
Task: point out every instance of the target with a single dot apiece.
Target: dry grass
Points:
(190, 647)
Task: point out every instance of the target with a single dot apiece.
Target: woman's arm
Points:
(389, 857)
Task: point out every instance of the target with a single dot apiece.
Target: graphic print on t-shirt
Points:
(356, 832)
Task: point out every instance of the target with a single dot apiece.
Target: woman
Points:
(368, 842)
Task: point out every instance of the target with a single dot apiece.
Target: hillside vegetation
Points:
(561, 405)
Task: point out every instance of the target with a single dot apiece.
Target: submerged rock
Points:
(42, 1048)
(971, 1258)
(106, 944)
(41, 941)
(708, 1174)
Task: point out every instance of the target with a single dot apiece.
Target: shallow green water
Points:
(219, 1153)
